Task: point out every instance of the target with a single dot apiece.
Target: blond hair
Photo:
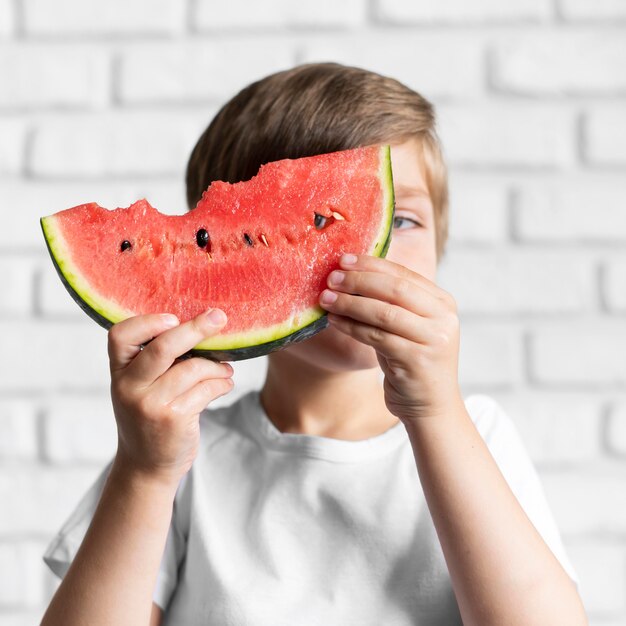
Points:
(312, 109)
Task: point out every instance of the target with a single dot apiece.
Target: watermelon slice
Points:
(260, 250)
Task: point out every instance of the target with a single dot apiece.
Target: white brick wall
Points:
(592, 12)
(195, 71)
(521, 282)
(616, 430)
(102, 101)
(615, 285)
(115, 144)
(18, 430)
(79, 430)
(12, 145)
(579, 208)
(588, 501)
(479, 206)
(273, 14)
(398, 11)
(573, 62)
(590, 354)
(40, 76)
(7, 10)
(408, 58)
(521, 135)
(602, 577)
(114, 17)
(605, 136)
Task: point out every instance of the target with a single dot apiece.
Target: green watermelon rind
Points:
(105, 312)
(255, 343)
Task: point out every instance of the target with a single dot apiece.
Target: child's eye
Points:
(410, 223)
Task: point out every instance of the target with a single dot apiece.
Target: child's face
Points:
(412, 245)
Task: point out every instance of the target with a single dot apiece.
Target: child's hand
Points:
(156, 399)
(413, 326)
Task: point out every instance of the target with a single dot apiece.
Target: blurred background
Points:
(102, 101)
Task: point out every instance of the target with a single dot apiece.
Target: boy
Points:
(303, 504)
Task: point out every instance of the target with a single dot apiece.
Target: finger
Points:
(387, 344)
(382, 315)
(127, 337)
(198, 397)
(184, 375)
(392, 289)
(379, 264)
(157, 357)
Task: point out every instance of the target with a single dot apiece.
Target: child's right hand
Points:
(156, 399)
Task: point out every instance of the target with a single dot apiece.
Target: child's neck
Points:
(347, 405)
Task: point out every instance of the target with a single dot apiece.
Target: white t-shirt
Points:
(277, 529)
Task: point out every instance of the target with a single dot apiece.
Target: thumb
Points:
(126, 338)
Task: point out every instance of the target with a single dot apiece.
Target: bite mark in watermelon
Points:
(260, 250)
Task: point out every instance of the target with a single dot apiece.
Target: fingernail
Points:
(348, 259)
(328, 297)
(169, 320)
(336, 278)
(216, 317)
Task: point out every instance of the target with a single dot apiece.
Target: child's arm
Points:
(157, 402)
(502, 571)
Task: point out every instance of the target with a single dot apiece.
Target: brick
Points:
(588, 501)
(458, 11)
(79, 430)
(29, 200)
(579, 353)
(18, 430)
(587, 209)
(614, 287)
(601, 567)
(605, 136)
(38, 499)
(37, 76)
(561, 63)
(115, 17)
(478, 210)
(598, 10)
(116, 144)
(23, 580)
(557, 429)
(7, 17)
(12, 146)
(211, 15)
(18, 274)
(192, 72)
(507, 136)
(616, 430)
(53, 356)
(518, 281)
(402, 56)
(489, 356)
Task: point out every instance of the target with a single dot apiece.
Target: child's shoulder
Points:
(226, 419)
(488, 416)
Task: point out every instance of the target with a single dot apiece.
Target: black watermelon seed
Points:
(126, 245)
(202, 238)
(248, 239)
(320, 221)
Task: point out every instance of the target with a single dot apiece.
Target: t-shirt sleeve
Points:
(62, 549)
(509, 452)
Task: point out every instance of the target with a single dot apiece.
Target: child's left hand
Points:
(413, 326)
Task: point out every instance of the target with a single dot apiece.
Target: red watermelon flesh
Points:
(261, 250)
